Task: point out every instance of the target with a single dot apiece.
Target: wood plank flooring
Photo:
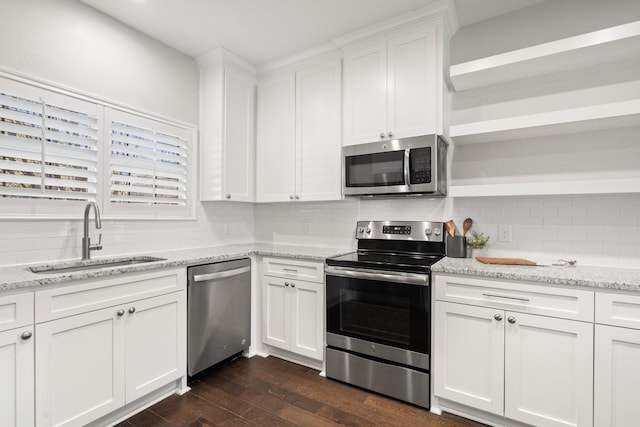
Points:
(273, 392)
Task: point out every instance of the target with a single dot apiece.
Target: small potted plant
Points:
(477, 243)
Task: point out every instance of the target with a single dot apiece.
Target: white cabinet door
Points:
(276, 312)
(276, 139)
(469, 355)
(617, 352)
(16, 377)
(365, 94)
(318, 142)
(79, 368)
(155, 343)
(411, 84)
(238, 135)
(548, 370)
(307, 319)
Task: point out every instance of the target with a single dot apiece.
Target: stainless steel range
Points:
(378, 303)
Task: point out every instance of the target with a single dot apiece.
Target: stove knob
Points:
(368, 231)
(427, 231)
(437, 231)
(360, 230)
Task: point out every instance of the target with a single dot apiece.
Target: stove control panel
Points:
(429, 231)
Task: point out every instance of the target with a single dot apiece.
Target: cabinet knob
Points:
(297, 197)
(390, 134)
(291, 197)
(132, 310)
(293, 285)
(286, 283)
(381, 135)
(228, 196)
(498, 317)
(26, 335)
(120, 312)
(511, 319)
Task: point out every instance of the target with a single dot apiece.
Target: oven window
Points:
(381, 312)
(373, 170)
(376, 316)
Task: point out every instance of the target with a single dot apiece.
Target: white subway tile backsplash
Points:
(594, 229)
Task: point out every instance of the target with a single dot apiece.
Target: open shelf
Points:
(594, 117)
(584, 50)
(599, 186)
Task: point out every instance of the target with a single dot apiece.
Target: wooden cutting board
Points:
(506, 261)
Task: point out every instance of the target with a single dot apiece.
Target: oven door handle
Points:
(385, 276)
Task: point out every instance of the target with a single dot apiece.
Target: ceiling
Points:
(264, 30)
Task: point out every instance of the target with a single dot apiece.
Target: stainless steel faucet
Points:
(86, 241)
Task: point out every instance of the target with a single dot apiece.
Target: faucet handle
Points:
(98, 246)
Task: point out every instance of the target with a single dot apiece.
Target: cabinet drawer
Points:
(618, 309)
(293, 269)
(100, 293)
(564, 303)
(16, 311)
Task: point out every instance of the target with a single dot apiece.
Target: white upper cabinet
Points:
(394, 79)
(227, 127)
(298, 148)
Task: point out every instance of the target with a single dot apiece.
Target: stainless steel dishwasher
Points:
(219, 312)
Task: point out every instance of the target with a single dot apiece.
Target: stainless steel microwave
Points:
(409, 166)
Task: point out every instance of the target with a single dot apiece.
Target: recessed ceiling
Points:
(264, 30)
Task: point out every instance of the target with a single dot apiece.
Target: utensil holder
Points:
(456, 246)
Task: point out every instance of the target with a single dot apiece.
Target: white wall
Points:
(70, 44)
(593, 229)
(67, 42)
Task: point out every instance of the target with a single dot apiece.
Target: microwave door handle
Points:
(406, 167)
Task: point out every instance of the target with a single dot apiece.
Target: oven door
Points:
(379, 314)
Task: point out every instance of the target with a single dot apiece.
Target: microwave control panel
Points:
(420, 165)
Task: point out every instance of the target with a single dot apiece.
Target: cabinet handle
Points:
(228, 196)
(132, 310)
(26, 335)
(506, 297)
(290, 270)
(120, 312)
(511, 319)
(390, 134)
(498, 317)
(381, 135)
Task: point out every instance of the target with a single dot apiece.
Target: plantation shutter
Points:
(48, 144)
(148, 161)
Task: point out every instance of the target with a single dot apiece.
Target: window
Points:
(148, 165)
(50, 150)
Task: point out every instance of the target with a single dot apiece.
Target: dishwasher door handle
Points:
(221, 274)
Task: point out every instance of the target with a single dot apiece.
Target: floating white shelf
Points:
(597, 47)
(581, 119)
(599, 186)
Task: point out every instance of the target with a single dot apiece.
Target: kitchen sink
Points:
(92, 264)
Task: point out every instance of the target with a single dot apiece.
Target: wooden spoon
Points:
(466, 226)
(451, 227)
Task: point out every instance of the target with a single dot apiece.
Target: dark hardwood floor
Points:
(273, 392)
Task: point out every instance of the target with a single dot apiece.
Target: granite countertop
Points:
(586, 276)
(19, 277)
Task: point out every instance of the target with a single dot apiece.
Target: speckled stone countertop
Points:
(18, 277)
(586, 276)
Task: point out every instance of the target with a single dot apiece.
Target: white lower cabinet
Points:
(292, 309)
(503, 356)
(617, 352)
(16, 377)
(16, 360)
(91, 364)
